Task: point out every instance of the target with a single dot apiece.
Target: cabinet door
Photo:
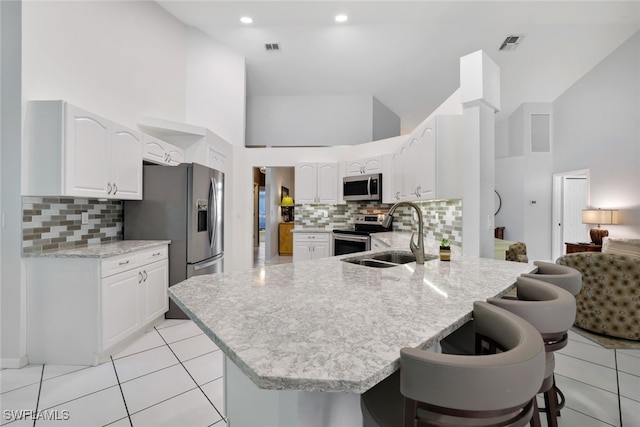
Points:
(320, 250)
(155, 281)
(175, 156)
(425, 169)
(306, 183)
(120, 308)
(354, 167)
(327, 183)
(126, 164)
(372, 165)
(87, 153)
(401, 173)
(154, 150)
(302, 251)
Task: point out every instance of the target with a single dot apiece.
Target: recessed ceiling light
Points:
(341, 18)
(246, 20)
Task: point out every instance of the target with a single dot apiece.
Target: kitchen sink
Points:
(386, 259)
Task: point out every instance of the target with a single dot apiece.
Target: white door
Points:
(570, 196)
(320, 250)
(126, 164)
(574, 196)
(87, 152)
(154, 150)
(425, 164)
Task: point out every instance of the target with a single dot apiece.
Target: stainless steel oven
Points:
(344, 243)
(357, 238)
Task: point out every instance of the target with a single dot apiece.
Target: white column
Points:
(480, 98)
(13, 290)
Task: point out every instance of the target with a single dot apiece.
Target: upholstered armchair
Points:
(517, 252)
(609, 301)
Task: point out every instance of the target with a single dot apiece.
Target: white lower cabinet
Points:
(80, 310)
(307, 246)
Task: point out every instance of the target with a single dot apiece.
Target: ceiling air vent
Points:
(272, 47)
(511, 42)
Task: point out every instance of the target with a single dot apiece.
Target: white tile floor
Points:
(172, 376)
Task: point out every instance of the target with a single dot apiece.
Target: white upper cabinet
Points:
(364, 166)
(428, 165)
(72, 152)
(316, 183)
(161, 152)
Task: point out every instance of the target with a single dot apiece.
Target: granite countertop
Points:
(100, 251)
(327, 325)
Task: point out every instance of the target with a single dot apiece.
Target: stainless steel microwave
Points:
(362, 187)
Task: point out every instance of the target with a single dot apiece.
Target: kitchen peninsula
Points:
(304, 340)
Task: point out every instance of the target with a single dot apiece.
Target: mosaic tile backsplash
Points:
(50, 223)
(442, 218)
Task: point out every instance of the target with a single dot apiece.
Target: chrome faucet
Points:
(417, 249)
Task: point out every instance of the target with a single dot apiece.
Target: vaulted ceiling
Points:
(406, 53)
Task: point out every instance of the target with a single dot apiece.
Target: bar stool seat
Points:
(551, 310)
(567, 278)
(436, 389)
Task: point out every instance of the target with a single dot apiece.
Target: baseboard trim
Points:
(14, 363)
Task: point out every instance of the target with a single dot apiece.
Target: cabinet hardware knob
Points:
(124, 263)
(139, 277)
(115, 188)
(145, 275)
(108, 188)
(156, 254)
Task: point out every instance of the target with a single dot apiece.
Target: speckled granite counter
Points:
(327, 325)
(100, 251)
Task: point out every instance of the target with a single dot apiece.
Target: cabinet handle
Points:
(156, 254)
(398, 195)
(124, 263)
(166, 156)
(115, 188)
(139, 277)
(169, 158)
(145, 275)
(108, 188)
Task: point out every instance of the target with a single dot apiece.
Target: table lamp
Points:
(287, 206)
(599, 216)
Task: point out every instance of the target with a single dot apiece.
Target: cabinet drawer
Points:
(311, 237)
(118, 264)
(153, 255)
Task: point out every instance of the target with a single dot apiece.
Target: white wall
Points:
(597, 127)
(12, 288)
(215, 87)
(524, 181)
(309, 120)
(385, 123)
(117, 59)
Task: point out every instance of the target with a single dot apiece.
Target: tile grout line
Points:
(39, 391)
(615, 359)
(121, 392)
(193, 379)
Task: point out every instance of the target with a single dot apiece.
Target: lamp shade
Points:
(599, 216)
(287, 201)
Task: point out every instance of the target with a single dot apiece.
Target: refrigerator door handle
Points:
(213, 213)
(209, 216)
(205, 265)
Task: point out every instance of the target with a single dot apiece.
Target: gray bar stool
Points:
(567, 278)
(552, 311)
(435, 389)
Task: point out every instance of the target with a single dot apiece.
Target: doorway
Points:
(570, 197)
(268, 186)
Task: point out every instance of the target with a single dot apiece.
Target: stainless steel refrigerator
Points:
(184, 204)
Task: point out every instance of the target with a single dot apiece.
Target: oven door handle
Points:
(350, 238)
